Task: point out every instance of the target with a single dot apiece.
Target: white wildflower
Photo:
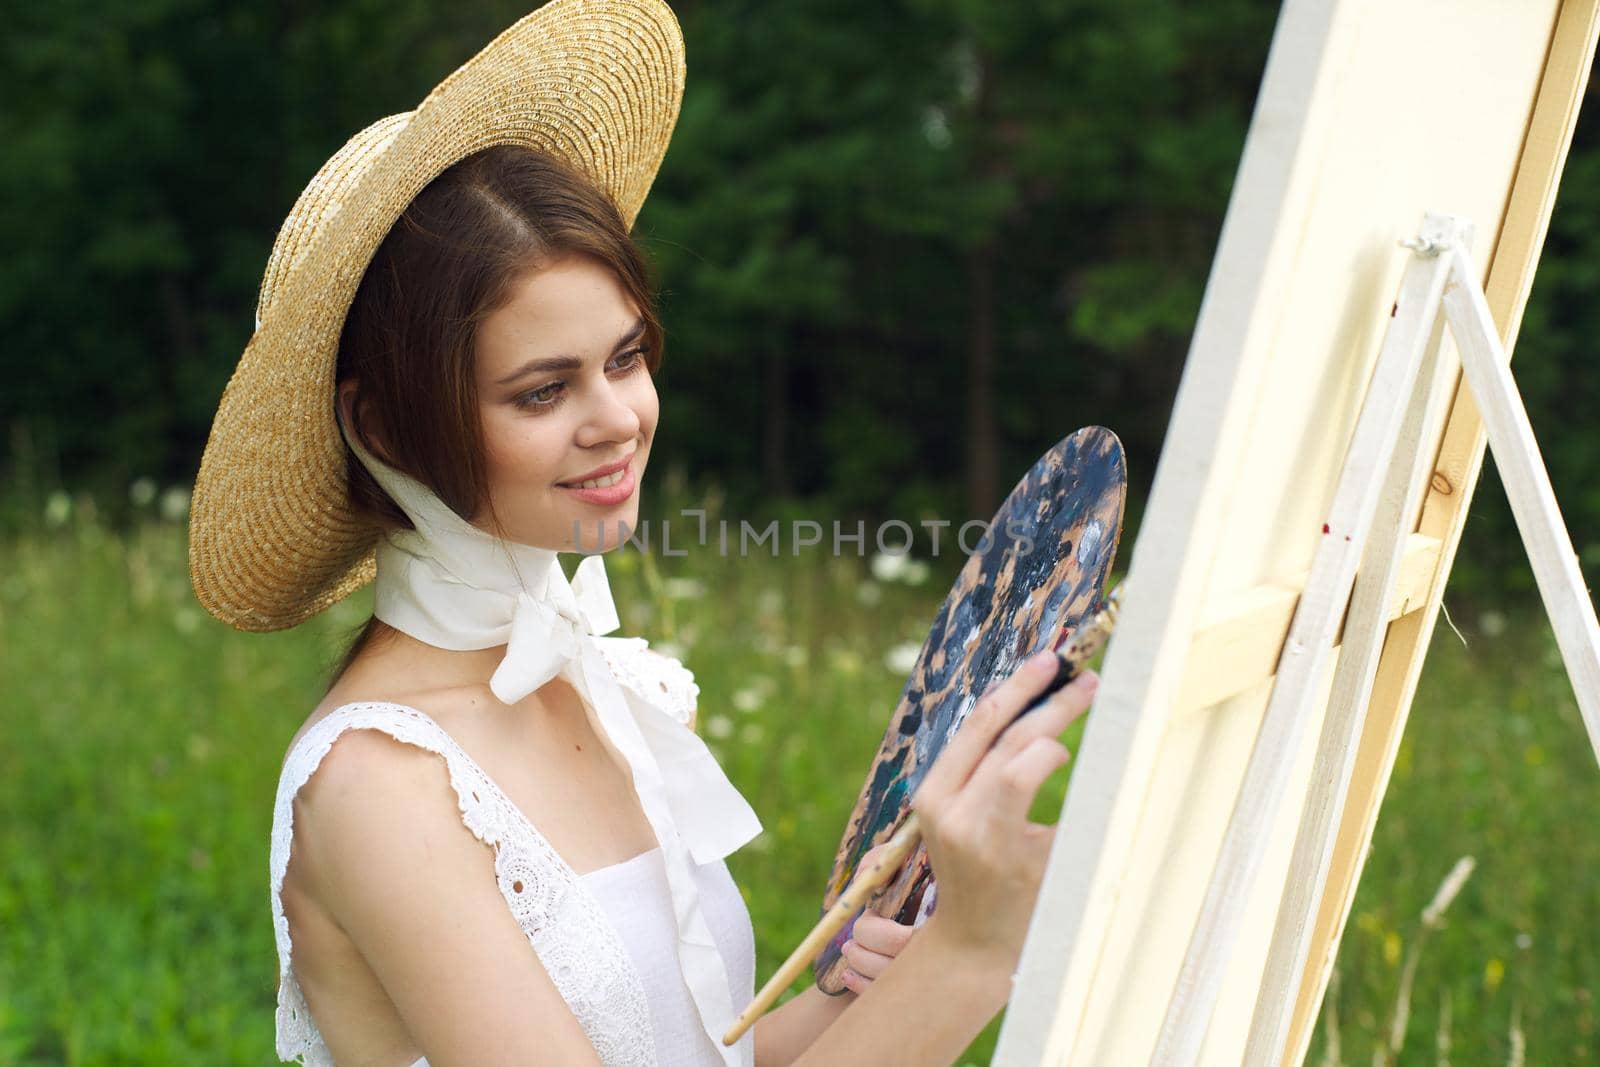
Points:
(869, 592)
(888, 566)
(916, 572)
(902, 657)
(57, 509)
(752, 733)
(142, 492)
(796, 656)
(719, 726)
(769, 602)
(1492, 623)
(684, 588)
(174, 503)
(755, 694)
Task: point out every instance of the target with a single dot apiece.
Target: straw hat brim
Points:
(272, 537)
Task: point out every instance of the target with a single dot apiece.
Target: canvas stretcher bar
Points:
(1237, 645)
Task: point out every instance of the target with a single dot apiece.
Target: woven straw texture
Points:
(272, 538)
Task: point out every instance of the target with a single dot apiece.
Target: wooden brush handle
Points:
(853, 899)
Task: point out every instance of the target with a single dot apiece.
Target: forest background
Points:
(903, 247)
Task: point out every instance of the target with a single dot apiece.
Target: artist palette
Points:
(1036, 575)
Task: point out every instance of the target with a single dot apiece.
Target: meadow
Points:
(142, 742)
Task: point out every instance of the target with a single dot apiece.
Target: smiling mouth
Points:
(597, 483)
(603, 481)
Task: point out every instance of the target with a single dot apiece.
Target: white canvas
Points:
(1370, 115)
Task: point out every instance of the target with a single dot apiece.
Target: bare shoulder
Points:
(396, 867)
(367, 763)
(365, 790)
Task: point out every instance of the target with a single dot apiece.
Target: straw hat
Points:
(272, 537)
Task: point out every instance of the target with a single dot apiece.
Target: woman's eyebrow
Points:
(555, 363)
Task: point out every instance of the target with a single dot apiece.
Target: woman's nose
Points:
(612, 418)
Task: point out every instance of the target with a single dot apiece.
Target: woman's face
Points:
(563, 391)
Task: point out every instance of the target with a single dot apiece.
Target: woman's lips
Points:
(609, 495)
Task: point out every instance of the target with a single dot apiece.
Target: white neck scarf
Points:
(454, 586)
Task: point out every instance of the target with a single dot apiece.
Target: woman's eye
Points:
(546, 397)
(542, 397)
(632, 357)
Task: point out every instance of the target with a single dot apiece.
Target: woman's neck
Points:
(395, 662)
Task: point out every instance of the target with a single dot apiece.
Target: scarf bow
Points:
(544, 633)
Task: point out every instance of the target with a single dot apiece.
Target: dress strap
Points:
(537, 884)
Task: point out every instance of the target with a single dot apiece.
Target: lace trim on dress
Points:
(654, 676)
(577, 945)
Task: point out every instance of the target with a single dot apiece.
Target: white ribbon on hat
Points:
(454, 586)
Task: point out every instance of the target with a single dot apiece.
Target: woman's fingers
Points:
(864, 961)
(1048, 720)
(992, 713)
(874, 943)
(880, 934)
(973, 806)
(1009, 777)
(1018, 781)
(869, 857)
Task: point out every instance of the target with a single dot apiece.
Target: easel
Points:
(1379, 497)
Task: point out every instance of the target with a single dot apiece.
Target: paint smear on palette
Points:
(1037, 574)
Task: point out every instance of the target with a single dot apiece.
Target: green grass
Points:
(142, 743)
(1495, 765)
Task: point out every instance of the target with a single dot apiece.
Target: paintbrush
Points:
(1085, 642)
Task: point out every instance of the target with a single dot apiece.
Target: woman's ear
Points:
(348, 399)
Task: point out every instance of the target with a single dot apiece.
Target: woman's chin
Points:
(603, 533)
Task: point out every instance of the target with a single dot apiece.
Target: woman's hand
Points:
(987, 855)
(875, 940)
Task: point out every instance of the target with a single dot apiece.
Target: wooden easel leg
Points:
(1487, 373)
(1487, 370)
(1366, 626)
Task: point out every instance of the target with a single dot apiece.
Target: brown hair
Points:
(409, 336)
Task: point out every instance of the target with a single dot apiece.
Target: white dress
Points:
(606, 938)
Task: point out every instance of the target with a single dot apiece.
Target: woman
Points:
(451, 378)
